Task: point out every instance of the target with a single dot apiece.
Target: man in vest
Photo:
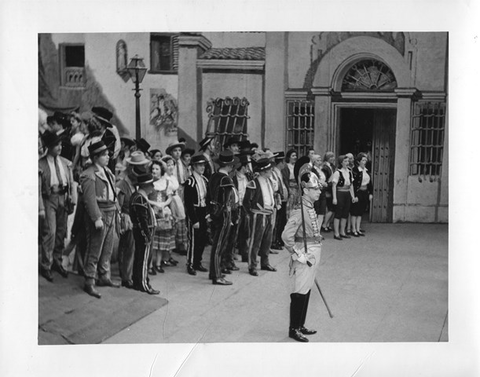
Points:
(100, 198)
(259, 204)
(57, 194)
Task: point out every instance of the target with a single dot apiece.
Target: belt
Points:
(309, 239)
(255, 212)
(363, 188)
(59, 191)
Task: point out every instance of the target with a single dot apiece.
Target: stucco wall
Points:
(236, 85)
(431, 51)
(299, 56)
(428, 66)
(100, 56)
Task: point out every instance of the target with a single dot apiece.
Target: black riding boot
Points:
(303, 329)
(296, 309)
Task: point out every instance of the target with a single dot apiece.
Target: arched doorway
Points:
(387, 107)
(366, 122)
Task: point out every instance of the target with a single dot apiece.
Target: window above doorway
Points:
(369, 75)
(163, 53)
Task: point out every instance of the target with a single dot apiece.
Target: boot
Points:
(303, 329)
(295, 311)
(191, 270)
(90, 289)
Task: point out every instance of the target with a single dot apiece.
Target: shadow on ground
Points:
(67, 315)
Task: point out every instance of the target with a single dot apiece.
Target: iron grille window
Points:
(300, 125)
(427, 137)
(72, 65)
(163, 53)
(227, 117)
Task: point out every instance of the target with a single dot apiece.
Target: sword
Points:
(302, 168)
(323, 298)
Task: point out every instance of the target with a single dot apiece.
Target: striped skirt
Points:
(164, 239)
(181, 235)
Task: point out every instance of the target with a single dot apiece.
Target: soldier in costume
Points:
(197, 200)
(224, 202)
(303, 229)
(144, 222)
(259, 203)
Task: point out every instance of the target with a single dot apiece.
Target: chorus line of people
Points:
(236, 198)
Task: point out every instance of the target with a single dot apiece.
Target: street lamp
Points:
(137, 70)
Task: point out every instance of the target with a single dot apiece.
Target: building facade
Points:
(383, 93)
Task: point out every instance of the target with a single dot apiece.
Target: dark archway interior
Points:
(356, 130)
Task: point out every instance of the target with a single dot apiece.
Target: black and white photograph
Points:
(214, 198)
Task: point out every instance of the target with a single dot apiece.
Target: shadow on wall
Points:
(52, 97)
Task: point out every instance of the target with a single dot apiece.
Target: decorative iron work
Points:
(227, 117)
(427, 138)
(369, 75)
(300, 125)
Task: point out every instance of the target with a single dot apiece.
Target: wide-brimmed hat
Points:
(198, 158)
(173, 145)
(189, 151)
(235, 139)
(50, 138)
(127, 141)
(96, 148)
(226, 158)
(144, 179)
(262, 165)
(244, 158)
(246, 147)
(103, 115)
(269, 154)
(143, 145)
(137, 158)
(207, 140)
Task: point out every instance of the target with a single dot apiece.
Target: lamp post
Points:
(137, 70)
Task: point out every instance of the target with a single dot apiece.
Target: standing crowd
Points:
(236, 199)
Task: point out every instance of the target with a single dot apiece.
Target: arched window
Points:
(369, 75)
(122, 56)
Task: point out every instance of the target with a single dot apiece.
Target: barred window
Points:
(300, 125)
(227, 117)
(163, 53)
(427, 137)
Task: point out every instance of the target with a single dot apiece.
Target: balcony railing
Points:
(74, 77)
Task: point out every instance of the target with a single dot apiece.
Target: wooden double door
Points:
(372, 130)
